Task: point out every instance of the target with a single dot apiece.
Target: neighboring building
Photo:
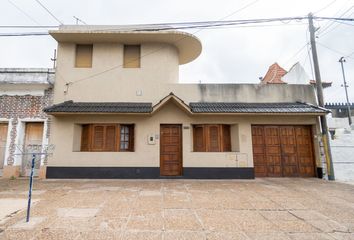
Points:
(342, 140)
(120, 112)
(23, 125)
(340, 110)
(296, 75)
(274, 75)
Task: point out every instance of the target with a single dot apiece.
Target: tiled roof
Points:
(233, 107)
(274, 74)
(195, 107)
(100, 107)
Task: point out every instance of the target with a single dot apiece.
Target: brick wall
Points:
(15, 108)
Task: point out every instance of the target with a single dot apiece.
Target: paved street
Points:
(180, 209)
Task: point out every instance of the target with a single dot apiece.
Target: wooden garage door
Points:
(170, 150)
(283, 151)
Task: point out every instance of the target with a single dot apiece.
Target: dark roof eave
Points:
(97, 113)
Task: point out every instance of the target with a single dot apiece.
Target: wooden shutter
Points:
(131, 56)
(85, 138)
(98, 138)
(83, 56)
(131, 138)
(226, 138)
(213, 138)
(110, 138)
(198, 138)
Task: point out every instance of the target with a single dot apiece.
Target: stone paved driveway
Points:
(182, 209)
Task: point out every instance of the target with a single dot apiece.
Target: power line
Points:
(23, 12)
(44, 7)
(348, 24)
(152, 52)
(191, 25)
(24, 34)
(349, 55)
(333, 50)
(239, 10)
(325, 7)
(297, 53)
(27, 26)
(209, 28)
(323, 32)
(328, 24)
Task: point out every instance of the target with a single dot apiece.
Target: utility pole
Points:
(319, 89)
(342, 60)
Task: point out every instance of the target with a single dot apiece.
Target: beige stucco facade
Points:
(66, 137)
(108, 81)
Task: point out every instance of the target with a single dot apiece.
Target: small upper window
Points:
(83, 56)
(131, 56)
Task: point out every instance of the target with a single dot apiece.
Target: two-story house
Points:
(120, 112)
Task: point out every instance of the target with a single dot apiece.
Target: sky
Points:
(230, 55)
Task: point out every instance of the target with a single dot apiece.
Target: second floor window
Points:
(107, 138)
(83, 58)
(131, 56)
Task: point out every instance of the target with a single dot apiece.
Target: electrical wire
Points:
(240, 9)
(297, 53)
(152, 52)
(333, 50)
(27, 26)
(309, 55)
(23, 12)
(350, 54)
(328, 24)
(191, 25)
(325, 7)
(24, 34)
(47, 10)
(323, 32)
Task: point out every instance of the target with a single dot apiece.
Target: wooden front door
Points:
(33, 144)
(283, 151)
(3, 138)
(171, 150)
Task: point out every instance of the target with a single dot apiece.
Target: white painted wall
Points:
(343, 155)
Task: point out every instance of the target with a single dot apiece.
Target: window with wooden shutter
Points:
(226, 138)
(98, 138)
(131, 56)
(83, 58)
(199, 138)
(110, 138)
(211, 138)
(85, 138)
(107, 137)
